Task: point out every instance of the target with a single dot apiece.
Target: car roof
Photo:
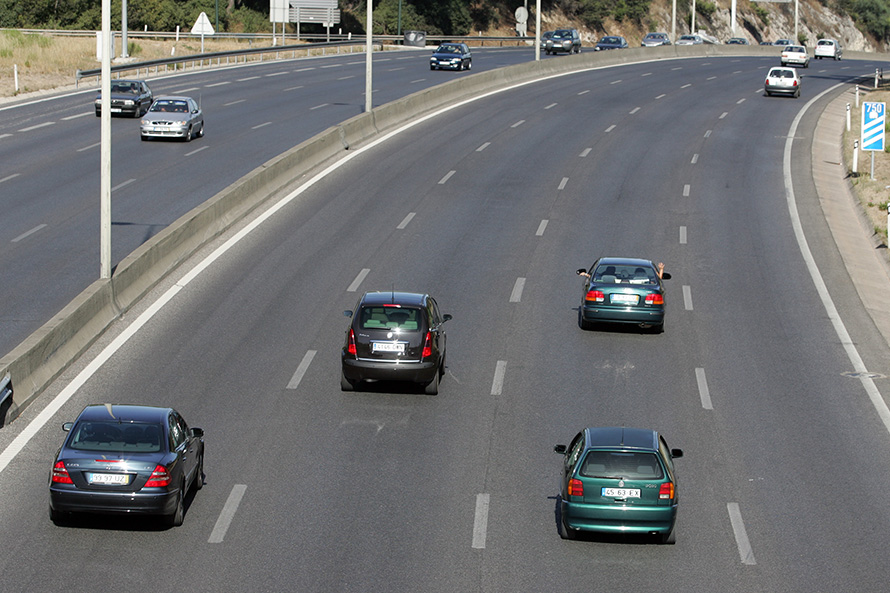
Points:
(394, 297)
(124, 413)
(623, 437)
(173, 98)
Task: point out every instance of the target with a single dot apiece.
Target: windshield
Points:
(116, 437)
(170, 106)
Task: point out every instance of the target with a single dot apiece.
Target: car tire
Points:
(564, 531)
(199, 473)
(57, 517)
(432, 388)
(432, 67)
(201, 131)
(98, 113)
(470, 65)
(345, 384)
(188, 135)
(176, 517)
(144, 138)
(670, 538)
(583, 323)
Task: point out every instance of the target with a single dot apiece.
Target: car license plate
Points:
(110, 479)
(625, 299)
(621, 492)
(115, 110)
(388, 347)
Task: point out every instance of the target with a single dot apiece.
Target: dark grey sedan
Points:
(452, 56)
(128, 97)
(126, 459)
(173, 117)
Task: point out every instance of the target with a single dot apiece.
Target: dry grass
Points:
(44, 62)
(873, 193)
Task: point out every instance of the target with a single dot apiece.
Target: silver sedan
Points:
(173, 117)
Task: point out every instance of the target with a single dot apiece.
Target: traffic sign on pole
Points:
(873, 119)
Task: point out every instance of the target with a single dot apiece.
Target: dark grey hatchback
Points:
(126, 459)
(394, 336)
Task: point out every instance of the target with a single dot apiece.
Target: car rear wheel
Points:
(199, 473)
(583, 323)
(188, 135)
(432, 388)
(670, 538)
(57, 517)
(175, 519)
(470, 65)
(565, 532)
(345, 384)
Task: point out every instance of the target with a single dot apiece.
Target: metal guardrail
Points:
(199, 60)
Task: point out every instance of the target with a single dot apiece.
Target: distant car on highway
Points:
(655, 39)
(783, 42)
(452, 56)
(622, 290)
(173, 117)
(795, 55)
(394, 336)
(128, 97)
(126, 459)
(563, 41)
(782, 81)
(618, 480)
(610, 42)
(737, 41)
(544, 37)
(828, 48)
(690, 40)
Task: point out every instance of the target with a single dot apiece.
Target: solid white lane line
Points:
(483, 147)
(228, 513)
(301, 370)
(686, 190)
(120, 185)
(480, 521)
(497, 384)
(741, 536)
(682, 235)
(358, 280)
(516, 295)
(406, 220)
(517, 124)
(43, 125)
(8, 177)
(562, 184)
(541, 228)
(585, 152)
(703, 392)
(28, 233)
(874, 395)
(447, 177)
(687, 297)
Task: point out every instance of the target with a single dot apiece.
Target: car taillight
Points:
(595, 295)
(159, 478)
(666, 492)
(60, 474)
(795, 83)
(654, 299)
(576, 487)
(350, 347)
(427, 346)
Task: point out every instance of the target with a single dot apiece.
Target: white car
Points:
(828, 48)
(690, 40)
(783, 81)
(795, 55)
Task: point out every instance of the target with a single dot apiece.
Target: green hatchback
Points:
(618, 480)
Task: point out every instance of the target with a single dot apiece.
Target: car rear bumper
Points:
(364, 370)
(618, 518)
(787, 90)
(647, 315)
(79, 501)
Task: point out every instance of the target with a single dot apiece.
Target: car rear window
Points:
(612, 274)
(116, 437)
(402, 318)
(628, 465)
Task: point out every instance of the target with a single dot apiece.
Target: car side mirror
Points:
(560, 449)
(676, 453)
(665, 276)
(347, 313)
(67, 426)
(197, 432)
(446, 317)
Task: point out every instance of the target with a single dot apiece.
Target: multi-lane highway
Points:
(491, 207)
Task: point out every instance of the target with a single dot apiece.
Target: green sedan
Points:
(618, 480)
(623, 290)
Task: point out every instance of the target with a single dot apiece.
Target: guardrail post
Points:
(855, 158)
(848, 117)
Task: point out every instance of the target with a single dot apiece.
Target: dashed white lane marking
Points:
(124, 184)
(634, 110)
(610, 128)
(541, 228)
(318, 106)
(708, 134)
(686, 190)
(223, 83)
(497, 384)
(70, 117)
(38, 126)
(703, 392)
(562, 184)
(301, 370)
(196, 151)
(682, 235)
(516, 295)
(694, 158)
(551, 106)
(447, 177)
(29, 233)
(263, 125)
(585, 152)
(687, 297)
(483, 146)
(228, 513)
(517, 124)
(8, 177)
(406, 220)
(358, 280)
(741, 536)
(724, 114)
(480, 521)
